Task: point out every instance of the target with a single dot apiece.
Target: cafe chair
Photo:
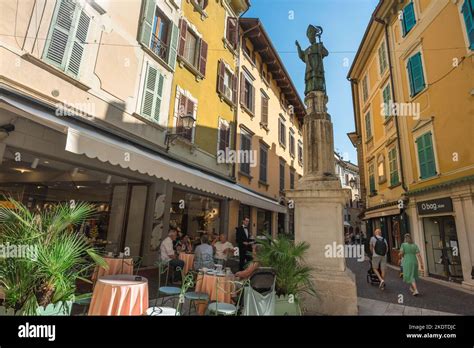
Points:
(235, 291)
(167, 293)
(194, 296)
(137, 262)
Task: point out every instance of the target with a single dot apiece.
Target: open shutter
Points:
(189, 111)
(220, 77)
(173, 46)
(409, 19)
(62, 26)
(242, 89)
(467, 11)
(149, 91)
(181, 113)
(264, 110)
(252, 96)
(183, 29)
(78, 44)
(234, 89)
(429, 155)
(203, 57)
(421, 157)
(418, 80)
(148, 12)
(158, 97)
(231, 34)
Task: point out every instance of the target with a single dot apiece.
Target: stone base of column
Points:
(468, 285)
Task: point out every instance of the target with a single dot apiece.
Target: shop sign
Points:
(435, 206)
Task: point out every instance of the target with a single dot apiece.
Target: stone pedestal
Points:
(319, 202)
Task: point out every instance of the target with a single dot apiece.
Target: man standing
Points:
(378, 248)
(168, 255)
(244, 243)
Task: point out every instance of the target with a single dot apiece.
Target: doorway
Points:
(442, 248)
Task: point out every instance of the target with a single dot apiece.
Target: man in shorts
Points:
(378, 248)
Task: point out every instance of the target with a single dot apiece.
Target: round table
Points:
(188, 261)
(208, 283)
(120, 294)
(117, 265)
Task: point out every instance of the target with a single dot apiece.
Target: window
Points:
(368, 126)
(468, 14)
(292, 142)
(372, 180)
(226, 82)
(282, 132)
(381, 169)
(408, 18)
(192, 49)
(247, 97)
(247, 50)
(67, 37)
(246, 147)
(382, 58)
(392, 160)
(232, 30)
(346, 180)
(158, 33)
(264, 222)
(300, 152)
(264, 99)
(365, 88)
(187, 107)
(426, 159)
(387, 99)
(263, 163)
(152, 93)
(292, 180)
(223, 141)
(415, 74)
(282, 176)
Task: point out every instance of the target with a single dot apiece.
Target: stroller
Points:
(371, 276)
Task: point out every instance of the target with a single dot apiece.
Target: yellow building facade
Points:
(413, 102)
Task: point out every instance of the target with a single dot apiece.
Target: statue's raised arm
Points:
(300, 51)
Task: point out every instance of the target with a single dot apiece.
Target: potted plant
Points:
(44, 282)
(293, 276)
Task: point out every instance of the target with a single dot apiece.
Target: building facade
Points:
(411, 109)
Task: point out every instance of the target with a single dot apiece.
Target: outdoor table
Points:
(207, 283)
(120, 294)
(188, 261)
(117, 265)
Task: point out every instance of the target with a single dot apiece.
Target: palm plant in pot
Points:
(44, 282)
(293, 276)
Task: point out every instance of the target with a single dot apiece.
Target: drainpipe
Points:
(392, 85)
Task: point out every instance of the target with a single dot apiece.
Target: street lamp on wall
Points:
(187, 122)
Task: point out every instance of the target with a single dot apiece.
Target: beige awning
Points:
(388, 211)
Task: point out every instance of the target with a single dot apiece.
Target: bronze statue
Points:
(313, 57)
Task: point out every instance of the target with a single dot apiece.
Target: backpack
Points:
(380, 247)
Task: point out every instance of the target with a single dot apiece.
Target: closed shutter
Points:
(468, 13)
(415, 72)
(224, 136)
(409, 19)
(152, 93)
(426, 158)
(386, 101)
(282, 176)
(203, 57)
(234, 89)
(392, 157)
(368, 126)
(264, 110)
(232, 31)
(242, 89)
(263, 164)
(158, 98)
(220, 77)
(183, 29)
(148, 15)
(252, 98)
(245, 145)
(78, 44)
(173, 46)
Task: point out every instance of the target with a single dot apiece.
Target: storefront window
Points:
(264, 222)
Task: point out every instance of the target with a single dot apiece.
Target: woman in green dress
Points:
(410, 253)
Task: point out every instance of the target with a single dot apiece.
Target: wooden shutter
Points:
(263, 164)
(78, 44)
(429, 155)
(242, 89)
(386, 100)
(152, 93)
(204, 4)
(252, 98)
(234, 89)
(181, 112)
(467, 11)
(224, 136)
(409, 19)
(189, 111)
(232, 31)
(421, 157)
(220, 77)
(183, 29)
(173, 46)
(61, 28)
(417, 70)
(158, 97)
(148, 15)
(264, 110)
(203, 57)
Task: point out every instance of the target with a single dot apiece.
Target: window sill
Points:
(184, 63)
(283, 146)
(391, 187)
(263, 183)
(148, 121)
(369, 139)
(157, 58)
(373, 194)
(248, 111)
(55, 71)
(264, 126)
(388, 119)
(226, 100)
(248, 176)
(229, 46)
(413, 97)
(300, 163)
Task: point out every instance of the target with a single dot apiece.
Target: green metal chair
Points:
(59, 309)
(195, 296)
(236, 291)
(170, 293)
(137, 262)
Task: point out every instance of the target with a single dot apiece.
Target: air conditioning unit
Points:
(228, 92)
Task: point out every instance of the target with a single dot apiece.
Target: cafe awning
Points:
(97, 144)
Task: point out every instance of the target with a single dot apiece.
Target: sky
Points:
(344, 23)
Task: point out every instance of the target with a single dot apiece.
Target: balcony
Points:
(159, 47)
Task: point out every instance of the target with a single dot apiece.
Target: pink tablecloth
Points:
(120, 294)
(188, 261)
(116, 266)
(208, 283)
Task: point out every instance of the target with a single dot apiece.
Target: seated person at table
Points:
(223, 249)
(185, 245)
(168, 254)
(251, 266)
(203, 254)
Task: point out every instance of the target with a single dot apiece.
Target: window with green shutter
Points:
(382, 58)
(386, 94)
(408, 19)
(415, 74)
(426, 159)
(393, 164)
(468, 14)
(368, 126)
(152, 94)
(67, 37)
